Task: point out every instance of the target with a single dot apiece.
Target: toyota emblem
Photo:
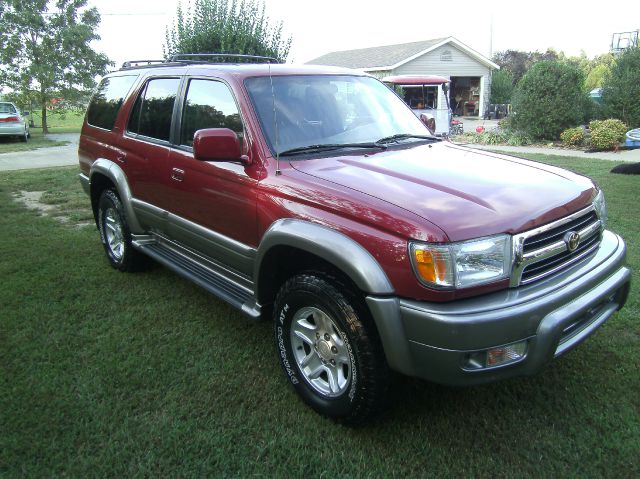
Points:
(572, 239)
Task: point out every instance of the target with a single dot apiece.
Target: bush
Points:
(501, 86)
(548, 100)
(621, 88)
(607, 134)
(572, 136)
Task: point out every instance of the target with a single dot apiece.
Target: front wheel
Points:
(329, 348)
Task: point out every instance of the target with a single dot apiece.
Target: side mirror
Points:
(26, 113)
(218, 144)
(429, 122)
(445, 88)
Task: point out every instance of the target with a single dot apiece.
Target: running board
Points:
(204, 277)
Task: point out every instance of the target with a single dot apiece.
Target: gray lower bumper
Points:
(435, 341)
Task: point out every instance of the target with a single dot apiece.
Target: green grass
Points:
(37, 140)
(146, 375)
(60, 122)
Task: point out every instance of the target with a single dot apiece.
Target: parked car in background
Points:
(12, 122)
(428, 97)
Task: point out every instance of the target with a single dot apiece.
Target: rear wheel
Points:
(24, 137)
(329, 348)
(114, 232)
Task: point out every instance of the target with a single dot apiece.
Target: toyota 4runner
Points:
(315, 197)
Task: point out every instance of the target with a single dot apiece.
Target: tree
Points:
(549, 99)
(45, 49)
(517, 63)
(501, 86)
(621, 89)
(223, 26)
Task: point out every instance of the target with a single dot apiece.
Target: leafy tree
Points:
(621, 89)
(501, 86)
(226, 26)
(517, 63)
(45, 49)
(549, 99)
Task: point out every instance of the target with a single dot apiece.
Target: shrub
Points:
(549, 99)
(572, 136)
(607, 134)
(518, 139)
(621, 88)
(501, 86)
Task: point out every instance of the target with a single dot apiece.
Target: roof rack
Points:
(137, 63)
(193, 58)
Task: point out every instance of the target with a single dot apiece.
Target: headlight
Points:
(601, 207)
(464, 264)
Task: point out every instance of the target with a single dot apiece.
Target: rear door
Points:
(146, 145)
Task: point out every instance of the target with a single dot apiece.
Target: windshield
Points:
(328, 110)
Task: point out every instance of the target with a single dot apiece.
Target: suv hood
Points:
(467, 193)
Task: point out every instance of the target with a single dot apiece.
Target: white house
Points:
(468, 70)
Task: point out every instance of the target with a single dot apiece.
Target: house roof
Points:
(388, 57)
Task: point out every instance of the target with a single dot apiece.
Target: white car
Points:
(12, 122)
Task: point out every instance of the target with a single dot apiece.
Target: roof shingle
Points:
(375, 56)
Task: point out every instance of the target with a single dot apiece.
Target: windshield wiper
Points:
(404, 136)
(331, 146)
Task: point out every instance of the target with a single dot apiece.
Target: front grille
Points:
(544, 250)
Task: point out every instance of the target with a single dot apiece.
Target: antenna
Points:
(275, 124)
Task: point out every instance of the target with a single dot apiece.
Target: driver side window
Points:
(208, 104)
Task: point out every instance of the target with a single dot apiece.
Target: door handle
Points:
(177, 174)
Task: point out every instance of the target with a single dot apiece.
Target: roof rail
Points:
(137, 63)
(194, 58)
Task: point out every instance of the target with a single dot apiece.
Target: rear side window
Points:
(152, 112)
(107, 101)
(209, 104)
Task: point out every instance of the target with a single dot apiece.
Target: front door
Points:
(213, 203)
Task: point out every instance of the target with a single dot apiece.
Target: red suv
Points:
(315, 197)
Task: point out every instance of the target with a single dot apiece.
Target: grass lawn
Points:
(60, 121)
(146, 375)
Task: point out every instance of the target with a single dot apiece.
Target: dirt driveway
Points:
(56, 156)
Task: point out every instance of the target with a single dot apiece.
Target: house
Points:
(468, 70)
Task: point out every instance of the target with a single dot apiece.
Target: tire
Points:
(114, 232)
(329, 348)
(25, 137)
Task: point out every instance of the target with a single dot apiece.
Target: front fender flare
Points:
(332, 246)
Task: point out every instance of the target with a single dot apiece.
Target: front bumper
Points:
(552, 315)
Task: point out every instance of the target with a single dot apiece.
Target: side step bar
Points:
(201, 275)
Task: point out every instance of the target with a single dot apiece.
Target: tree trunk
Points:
(45, 130)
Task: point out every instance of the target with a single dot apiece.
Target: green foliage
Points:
(517, 63)
(621, 89)
(595, 77)
(226, 26)
(572, 136)
(549, 99)
(495, 137)
(49, 55)
(607, 134)
(501, 86)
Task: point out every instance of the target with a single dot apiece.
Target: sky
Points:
(135, 29)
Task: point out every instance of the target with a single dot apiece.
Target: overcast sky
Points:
(135, 29)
